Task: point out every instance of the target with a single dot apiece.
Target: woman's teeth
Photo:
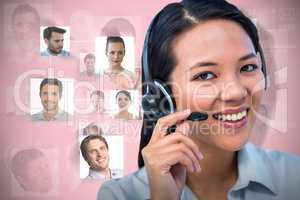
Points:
(231, 117)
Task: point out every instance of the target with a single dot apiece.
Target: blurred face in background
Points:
(97, 102)
(26, 29)
(90, 65)
(36, 175)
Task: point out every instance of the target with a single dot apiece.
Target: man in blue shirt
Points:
(54, 39)
(50, 94)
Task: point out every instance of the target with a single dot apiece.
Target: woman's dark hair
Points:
(168, 24)
(114, 39)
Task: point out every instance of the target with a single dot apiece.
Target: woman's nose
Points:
(233, 91)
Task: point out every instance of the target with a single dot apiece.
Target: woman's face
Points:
(218, 71)
(115, 54)
(123, 101)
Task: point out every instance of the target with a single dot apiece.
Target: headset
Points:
(156, 90)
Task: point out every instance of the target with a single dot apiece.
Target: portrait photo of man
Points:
(88, 65)
(97, 101)
(54, 40)
(95, 151)
(50, 93)
(92, 129)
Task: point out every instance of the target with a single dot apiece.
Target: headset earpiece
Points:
(156, 92)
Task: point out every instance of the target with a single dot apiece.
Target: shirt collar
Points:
(95, 174)
(254, 166)
(61, 53)
(57, 116)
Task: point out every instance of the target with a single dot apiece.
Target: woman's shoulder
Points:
(277, 170)
(279, 158)
(132, 186)
(127, 72)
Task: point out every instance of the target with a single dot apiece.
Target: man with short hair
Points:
(89, 62)
(94, 150)
(54, 39)
(50, 94)
(92, 129)
(97, 100)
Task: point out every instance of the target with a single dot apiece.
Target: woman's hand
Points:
(168, 157)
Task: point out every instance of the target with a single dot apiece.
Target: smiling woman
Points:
(123, 98)
(206, 56)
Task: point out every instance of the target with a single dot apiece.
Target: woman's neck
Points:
(123, 112)
(115, 69)
(218, 171)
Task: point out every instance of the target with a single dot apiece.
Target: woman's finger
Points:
(175, 138)
(179, 147)
(164, 123)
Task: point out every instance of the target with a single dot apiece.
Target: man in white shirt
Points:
(94, 150)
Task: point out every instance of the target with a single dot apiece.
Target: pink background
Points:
(279, 29)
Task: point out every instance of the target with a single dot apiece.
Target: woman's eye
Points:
(204, 76)
(249, 68)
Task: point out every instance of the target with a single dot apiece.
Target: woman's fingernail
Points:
(197, 167)
(200, 156)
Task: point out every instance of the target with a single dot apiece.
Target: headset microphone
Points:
(198, 116)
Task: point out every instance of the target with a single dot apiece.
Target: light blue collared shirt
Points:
(47, 52)
(96, 175)
(61, 115)
(262, 175)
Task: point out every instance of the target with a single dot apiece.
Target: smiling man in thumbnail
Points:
(94, 150)
(50, 94)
